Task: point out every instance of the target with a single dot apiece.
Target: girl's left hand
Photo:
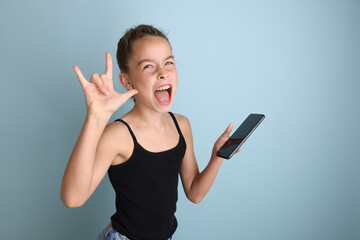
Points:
(222, 139)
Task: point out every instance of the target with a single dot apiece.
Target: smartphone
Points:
(240, 135)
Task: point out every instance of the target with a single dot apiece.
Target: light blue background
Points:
(298, 62)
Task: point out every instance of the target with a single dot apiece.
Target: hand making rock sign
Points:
(100, 95)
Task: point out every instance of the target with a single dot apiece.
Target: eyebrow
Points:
(149, 60)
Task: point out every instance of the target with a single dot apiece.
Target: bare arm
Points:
(196, 184)
(75, 188)
(93, 153)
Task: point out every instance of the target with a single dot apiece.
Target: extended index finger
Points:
(108, 70)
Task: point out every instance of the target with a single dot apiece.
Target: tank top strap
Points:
(127, 125)
(176, 123)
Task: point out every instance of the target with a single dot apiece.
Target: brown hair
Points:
(124, 49)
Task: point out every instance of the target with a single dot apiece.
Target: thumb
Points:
(228, 130)
(223, 138)
(128, 94)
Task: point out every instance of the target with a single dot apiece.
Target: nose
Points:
(163, 74)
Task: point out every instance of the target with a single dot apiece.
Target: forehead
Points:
(150, 47)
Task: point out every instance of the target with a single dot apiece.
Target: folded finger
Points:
(95, 79)
(105, 81)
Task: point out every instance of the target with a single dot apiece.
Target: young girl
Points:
(145, 150)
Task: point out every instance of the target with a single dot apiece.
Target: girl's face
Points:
(153, 73)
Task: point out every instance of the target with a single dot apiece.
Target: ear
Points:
(125, 80)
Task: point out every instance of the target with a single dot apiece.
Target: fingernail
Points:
(105, 91)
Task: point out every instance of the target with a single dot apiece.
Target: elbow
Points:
(71, 203)
(195, 199)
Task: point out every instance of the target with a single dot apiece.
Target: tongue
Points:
(162, 96)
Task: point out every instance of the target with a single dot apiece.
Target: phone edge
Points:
(247, 136)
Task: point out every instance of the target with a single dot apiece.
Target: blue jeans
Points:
(112, 234)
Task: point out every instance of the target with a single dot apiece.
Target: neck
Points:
(148, 117)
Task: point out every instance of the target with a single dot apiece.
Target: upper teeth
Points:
(163, 88)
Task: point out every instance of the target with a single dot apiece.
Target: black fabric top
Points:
(146, 191)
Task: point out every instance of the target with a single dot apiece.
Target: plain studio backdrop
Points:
(297, 62)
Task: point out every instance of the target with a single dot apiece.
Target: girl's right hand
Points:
(100, 96)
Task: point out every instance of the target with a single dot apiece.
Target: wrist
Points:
(99, 117)
(216, 159)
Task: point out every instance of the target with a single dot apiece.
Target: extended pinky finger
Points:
(80, 76)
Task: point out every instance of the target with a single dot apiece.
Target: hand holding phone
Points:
(240, 135)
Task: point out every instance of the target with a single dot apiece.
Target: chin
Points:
(163, 107)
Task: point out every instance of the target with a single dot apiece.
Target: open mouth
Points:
(163, 94)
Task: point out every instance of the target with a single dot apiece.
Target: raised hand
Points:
(100, 95)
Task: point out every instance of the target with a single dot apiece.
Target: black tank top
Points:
(146, 191)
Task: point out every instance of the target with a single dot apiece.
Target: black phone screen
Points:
(240, 135)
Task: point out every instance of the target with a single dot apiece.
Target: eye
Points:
(147, 66)
(169, 63)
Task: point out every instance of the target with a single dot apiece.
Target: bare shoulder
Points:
(116, 138)
(115, 130)
(183, 121)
